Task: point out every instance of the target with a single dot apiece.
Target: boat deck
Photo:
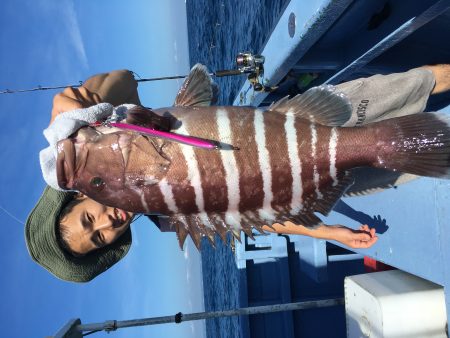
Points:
(339, 40)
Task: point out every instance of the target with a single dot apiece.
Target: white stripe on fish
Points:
(193, 174)
(264, 165)
(167, 193)
(205, 220)
(332, 150)
(231, 172)
(295, 162)
(233, 218)
(316, 176)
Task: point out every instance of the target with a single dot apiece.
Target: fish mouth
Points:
(65, 163)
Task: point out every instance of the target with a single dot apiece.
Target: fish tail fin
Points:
(417, 144)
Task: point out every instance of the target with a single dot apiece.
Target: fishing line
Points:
(136, 218)
(11, 215)
(91, 332)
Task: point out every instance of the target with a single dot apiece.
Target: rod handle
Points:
(229, 72)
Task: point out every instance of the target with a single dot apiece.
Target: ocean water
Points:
(218, 31)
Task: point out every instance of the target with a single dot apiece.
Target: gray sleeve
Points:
(382, 97)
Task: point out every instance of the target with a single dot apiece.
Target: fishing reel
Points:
(248, 63)
(253, 64)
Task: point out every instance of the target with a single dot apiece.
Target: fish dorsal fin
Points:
(209, 224)
(181, 234)
(206, 225)
(198, 89)
(319, 104)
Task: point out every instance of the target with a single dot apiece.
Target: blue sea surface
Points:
(218, 31)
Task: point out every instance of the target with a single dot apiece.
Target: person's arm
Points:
(356, 239)
(116, 87)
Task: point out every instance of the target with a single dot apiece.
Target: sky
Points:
(61, 42)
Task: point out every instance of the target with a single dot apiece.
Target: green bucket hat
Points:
(45, 249)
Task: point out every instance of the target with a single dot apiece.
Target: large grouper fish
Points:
(283, 163)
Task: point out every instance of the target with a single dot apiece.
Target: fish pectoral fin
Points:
(198, 89)
(319, 104)
(145, 117)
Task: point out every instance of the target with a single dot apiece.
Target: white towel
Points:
(66, 124)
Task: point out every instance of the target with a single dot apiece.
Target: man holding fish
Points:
(246, 183)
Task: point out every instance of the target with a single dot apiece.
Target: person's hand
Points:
(73, 98)
(362, 238)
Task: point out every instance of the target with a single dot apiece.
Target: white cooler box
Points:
(394, 304)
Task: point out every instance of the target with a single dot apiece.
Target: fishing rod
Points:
(247, 63)
(75, 329)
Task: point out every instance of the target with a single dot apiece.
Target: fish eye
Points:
(97, 182)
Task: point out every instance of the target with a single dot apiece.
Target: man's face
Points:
(93, 225)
